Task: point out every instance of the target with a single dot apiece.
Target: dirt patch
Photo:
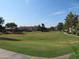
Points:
(9, 39)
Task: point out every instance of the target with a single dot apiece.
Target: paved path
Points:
(5, 54)
(70, 34)
(62, 57)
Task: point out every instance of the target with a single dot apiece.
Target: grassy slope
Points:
(47, 44)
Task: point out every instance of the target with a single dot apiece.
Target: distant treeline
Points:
(71, 25)
(13, 27)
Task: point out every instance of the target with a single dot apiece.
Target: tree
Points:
(43, 28)
(11, 26)
(52, 28)
(75, 24)
(77, 27)
(1, 20)
(60, 26)
(75, 20)
(65, 27)
(1, 23)
(69, 22)
(39, 28)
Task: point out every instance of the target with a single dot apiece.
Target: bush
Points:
(77, 32)
(74, 32)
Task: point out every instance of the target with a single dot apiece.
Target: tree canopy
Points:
(1, 20)
(60, 26)
(11, 25)
(69, 22)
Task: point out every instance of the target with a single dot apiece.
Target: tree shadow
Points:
(9, 39)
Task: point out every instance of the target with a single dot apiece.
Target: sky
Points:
(35, 12)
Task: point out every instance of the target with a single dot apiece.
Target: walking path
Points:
(5, 54)
(70, 34)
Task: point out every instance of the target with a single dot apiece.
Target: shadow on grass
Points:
(9, 39)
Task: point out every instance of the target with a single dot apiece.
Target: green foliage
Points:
(69, 21)
(60, 26)
(77, 25)
(52, 29)
(11, 25)
(39, 28)
(42, 28)
(1, 23)
(1, 20)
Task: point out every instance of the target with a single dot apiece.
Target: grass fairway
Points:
(44, 44)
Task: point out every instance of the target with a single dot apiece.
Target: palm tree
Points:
(69, 22)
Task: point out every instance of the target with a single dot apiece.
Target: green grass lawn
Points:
(44, 44)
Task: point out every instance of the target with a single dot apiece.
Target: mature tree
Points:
(39, 28)
(75, 24)
(1, 23)
(69, 22)
(1, 28)
(43, 28)
(65, 27)
(77, 27)
(52, 28)
(75, 20)
(1, 20)
(60, 26)
(11, 25)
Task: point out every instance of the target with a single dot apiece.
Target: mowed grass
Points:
(43, 44)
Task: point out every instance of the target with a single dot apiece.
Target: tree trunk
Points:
(70, 30)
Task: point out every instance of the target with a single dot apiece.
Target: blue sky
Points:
(34, 12)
